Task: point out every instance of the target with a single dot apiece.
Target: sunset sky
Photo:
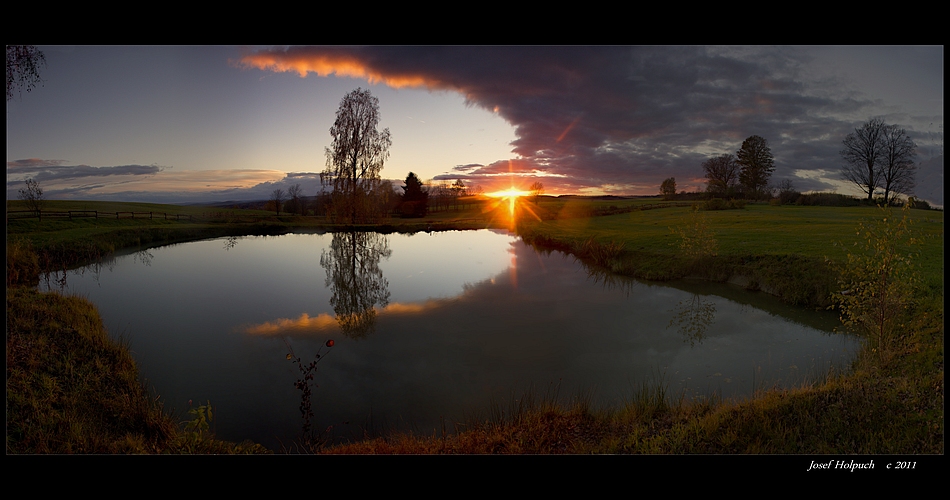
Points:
(179, 124)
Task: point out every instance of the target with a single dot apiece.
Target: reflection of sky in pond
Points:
(472, 316)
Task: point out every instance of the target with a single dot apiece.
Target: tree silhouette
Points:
(32, 195)
(538, 189)
(862, 153)
(277, 196)
(756, 164)
(722, 173)
(23, 68)
(897, 162)
(294, 202)
(458, 191)
(415, 199)
(355, 157)
(668, 188)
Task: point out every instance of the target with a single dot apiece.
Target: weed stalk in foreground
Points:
(305, 384)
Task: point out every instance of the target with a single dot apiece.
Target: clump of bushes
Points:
(721, 204)
(828, 200)
(919, 204)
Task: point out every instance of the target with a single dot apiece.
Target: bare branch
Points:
(897, 162)
(722, 172)
(32, 195)
(862, 152)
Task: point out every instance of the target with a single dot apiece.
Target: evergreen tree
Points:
(415, 199)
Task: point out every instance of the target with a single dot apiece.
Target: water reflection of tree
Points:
(355, 279)
(143, 256)
(230, 242)
(693, 317)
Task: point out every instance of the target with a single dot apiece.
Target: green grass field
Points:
(756, 230)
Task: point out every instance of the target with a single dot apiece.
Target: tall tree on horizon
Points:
(668, 188)
(356, 156)
(415, 200)
(722, 173)
(862, 153)
(897, 162)
(756, 164)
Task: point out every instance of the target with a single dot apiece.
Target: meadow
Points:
(885, 404)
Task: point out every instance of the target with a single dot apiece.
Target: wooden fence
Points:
(95, 214)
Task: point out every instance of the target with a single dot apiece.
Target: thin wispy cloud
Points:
(145, 182)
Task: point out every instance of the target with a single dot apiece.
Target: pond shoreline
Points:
(796, 287)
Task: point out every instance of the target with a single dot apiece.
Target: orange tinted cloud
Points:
(321, 322)
(325, 322)
(326, 64)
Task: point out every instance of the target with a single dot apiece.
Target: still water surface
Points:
(429, 327)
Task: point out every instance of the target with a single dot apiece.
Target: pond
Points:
(429, 328)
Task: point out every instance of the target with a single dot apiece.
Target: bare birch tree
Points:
(23, 68)
(356, 156)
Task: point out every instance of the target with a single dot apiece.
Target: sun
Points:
(508, 193)
(516, 200)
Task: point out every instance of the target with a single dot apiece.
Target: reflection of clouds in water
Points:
(305, 324)
(315, 325)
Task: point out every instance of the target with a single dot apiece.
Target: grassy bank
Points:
(71, 389)
(885, 405)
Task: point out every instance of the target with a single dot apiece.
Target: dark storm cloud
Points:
(621, 116)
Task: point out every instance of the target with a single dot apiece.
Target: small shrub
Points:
(697, 240)
(878, 282)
